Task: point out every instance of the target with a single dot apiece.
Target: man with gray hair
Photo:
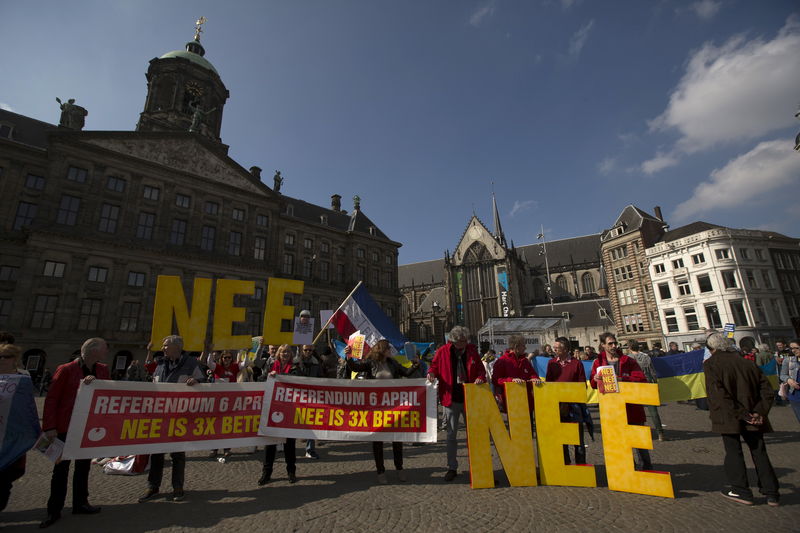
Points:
(740, 397)
(454, 364)
(58, 407)
(175, 367)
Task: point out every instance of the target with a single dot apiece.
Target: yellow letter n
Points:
(514, 447)
(170, 300)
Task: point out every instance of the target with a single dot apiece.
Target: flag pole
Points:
(334, 313)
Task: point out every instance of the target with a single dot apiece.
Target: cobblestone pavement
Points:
(339, 492)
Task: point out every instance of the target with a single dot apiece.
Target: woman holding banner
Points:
(283, 365)
(379, 364)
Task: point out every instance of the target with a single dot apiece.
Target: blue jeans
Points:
(452, 415)
(311, 445)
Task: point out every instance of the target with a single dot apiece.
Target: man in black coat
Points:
(739, 399)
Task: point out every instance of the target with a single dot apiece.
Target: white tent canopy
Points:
(497, 330)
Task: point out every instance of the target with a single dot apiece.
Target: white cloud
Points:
(659, 163)
(706, 9)
(6, 107)
(578, 39)
(741, 90)
(607, 165)
(487, 10)
(768, 166)
(522, 206)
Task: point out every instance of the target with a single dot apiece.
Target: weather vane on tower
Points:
(198, 28)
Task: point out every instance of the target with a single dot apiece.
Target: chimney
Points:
(256, 172)
(336, 202)
(657, 211)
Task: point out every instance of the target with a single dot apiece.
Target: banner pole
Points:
(325, 327)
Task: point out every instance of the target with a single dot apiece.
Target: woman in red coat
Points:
(627, 369)
(283, 365)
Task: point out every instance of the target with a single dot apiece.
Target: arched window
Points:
(587, 283)
(561, 281)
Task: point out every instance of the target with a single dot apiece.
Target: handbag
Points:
(783, 391)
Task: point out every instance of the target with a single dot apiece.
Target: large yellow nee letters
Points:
(192, 325)
(515, 446)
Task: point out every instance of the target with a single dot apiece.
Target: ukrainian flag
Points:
(680, 376)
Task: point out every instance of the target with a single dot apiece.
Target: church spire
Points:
(498, 229)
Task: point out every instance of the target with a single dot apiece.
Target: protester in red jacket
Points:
(564, 367)
(515, 367)
(626, 369)
(454, 364)
(58, 407)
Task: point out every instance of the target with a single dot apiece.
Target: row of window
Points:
(729, 280)
(325, 248)
(737, 315)
(700, 258)
(322, 269)
(45, 309)
(149, 192)
(587, 283)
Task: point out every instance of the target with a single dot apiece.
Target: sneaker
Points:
(450, 475)
(149, 494)
(312, 455)
(773, 501)
(292, 477)
(382, 479)
(738, 498)
(401, 475)
(177, 495)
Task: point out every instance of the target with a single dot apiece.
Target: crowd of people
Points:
(739, 397)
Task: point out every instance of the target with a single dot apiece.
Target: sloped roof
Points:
(355, 221)
(631, 219)
(437, 295)
(27, 130)
(564, 252)
(582, 313)
(421, 273)
(688, 229)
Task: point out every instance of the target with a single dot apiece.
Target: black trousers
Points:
(736, 470)
(288, 452)
(397, 453)
(7, 477)
(60, 479)
(580, 450)
(157, 470)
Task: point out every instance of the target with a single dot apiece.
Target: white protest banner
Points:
(112, 418)
(303, 330)
(399, 410)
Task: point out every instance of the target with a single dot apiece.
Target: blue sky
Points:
(573, 108)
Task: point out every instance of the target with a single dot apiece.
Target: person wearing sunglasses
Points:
(627, 369)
